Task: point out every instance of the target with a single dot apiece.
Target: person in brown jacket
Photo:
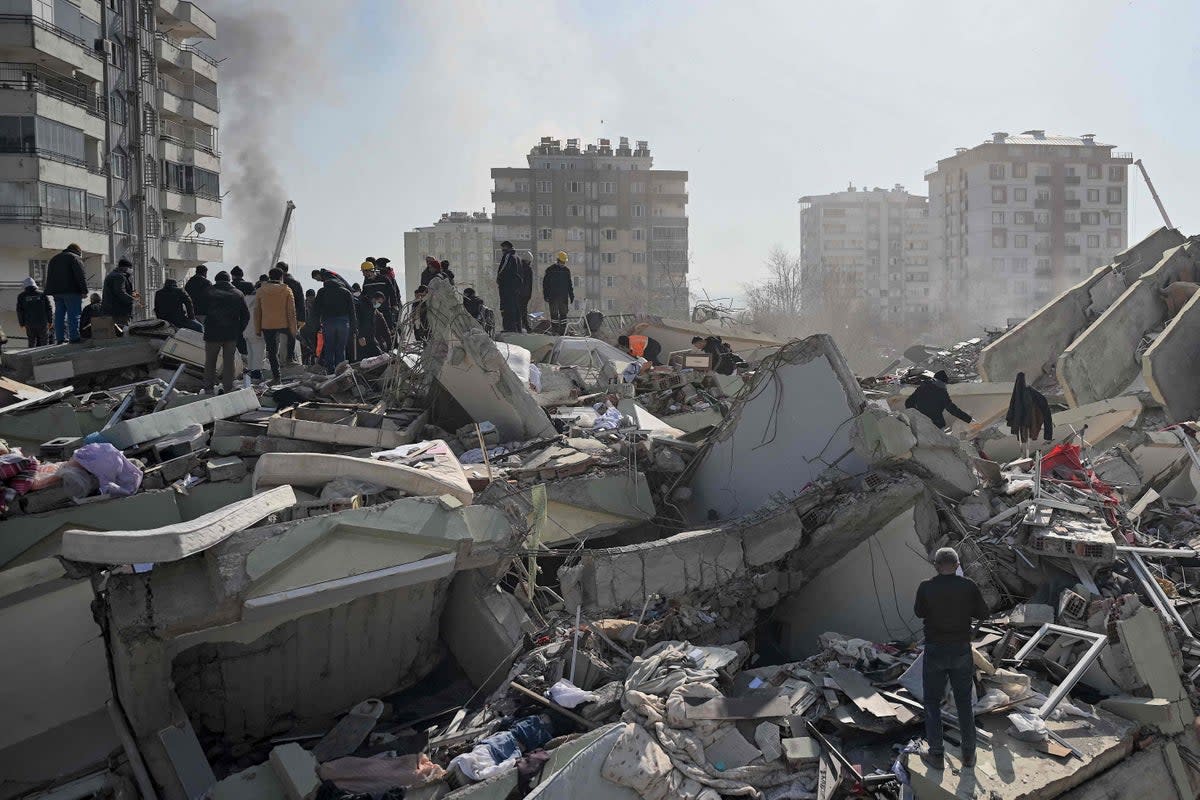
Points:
(275, 314)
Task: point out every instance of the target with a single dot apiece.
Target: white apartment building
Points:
(869, 248)
(108, 138)
(1019, 218)
(465, 240)
(622, 224)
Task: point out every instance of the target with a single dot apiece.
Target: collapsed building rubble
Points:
(542, 567)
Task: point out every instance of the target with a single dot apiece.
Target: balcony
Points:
(1072, 180)
(1043, 248)
(1123, 157)
(28, 164)
(184, 19)
(55, 44)
(1071, 249)
(192, 250)
(1071, 203)
(49, 229)
(185, 145)
(1070, 227)
(1041, 202)
(190, 205)
(188, 101)
(184, 57)
(1042, 180)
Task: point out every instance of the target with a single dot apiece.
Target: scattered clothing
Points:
(375, 776)
(1028, 412)
(116, 474)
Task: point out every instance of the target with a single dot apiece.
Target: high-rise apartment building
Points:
(108, 138)
(465, 240)
(1019, 218)
(622, 223)
(868, 251)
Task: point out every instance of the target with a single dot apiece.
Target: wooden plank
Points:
(752, 705)
(861, 692)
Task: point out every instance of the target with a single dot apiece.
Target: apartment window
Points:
(574, 211)
(1070, 194)
(1020, 265)
(1090, 217)
(1114, 238)
(1043, 194)
(610, 281)
(1116, 174)
(639, 234)
(610, 234)
(608, 304)
(575, 234)
(608, 210)
(1020, 170)
(545, 187)
(638, 210)
(1093, 240)
(1020, 240)
(116, 109)
(1071, 171)
(999, 194)
(996, 172)
(997, 265)
(1093, 195)
(574, 187)
(1042, 171)
(545, 233)
(522, 186)
(120, 165)
(637, 187)
(543, 209)
(608, 187)
(117, 55)
(608, 258)
(543, 258)
(1114, 195)
(1020, 195)
(1022, 217)
(999, 239)
(1093, 171)
(1043, 265)
(997, 217)
(120, 219)
(639, 258)
(1114, 218)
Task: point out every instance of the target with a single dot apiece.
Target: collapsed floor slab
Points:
(137, 430)
(1170, 367)
(444, 476)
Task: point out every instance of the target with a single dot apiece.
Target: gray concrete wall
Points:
(791, 425)
(1171, 368)
(1102, 361)
(1037, 342)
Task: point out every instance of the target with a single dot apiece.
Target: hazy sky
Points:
(394, 111)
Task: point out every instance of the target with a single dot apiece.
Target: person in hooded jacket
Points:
(512, 288)
(227, 318)
(197, 288)
(433, 269)
(932, 399)
(256, 346)
(473, 303)
(323, 276)
(374, 335)
(34, 313)
(559, 292)
(91, 310)
(118, 298)
(66, 282)
(172, 303)
(335, 311)
(238, 279)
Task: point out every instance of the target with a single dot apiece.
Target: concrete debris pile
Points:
(549, 567)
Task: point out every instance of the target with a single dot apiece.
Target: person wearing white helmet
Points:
(558, 290)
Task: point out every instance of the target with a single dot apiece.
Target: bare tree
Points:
(775, 304)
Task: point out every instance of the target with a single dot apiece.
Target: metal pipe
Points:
(121, 409)
(162, 402)
(145, 785)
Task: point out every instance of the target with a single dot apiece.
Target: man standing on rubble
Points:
(947, 603)
(34, 314)
(197, 288)
(227, 318)
(559, 292)
(275, 317)
(511, 284)
(932, 399)
(67, 284)
(335, 312)
(301, 307)
(117, 297)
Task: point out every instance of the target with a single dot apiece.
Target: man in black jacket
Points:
(227, 319)
(197, 288)
(947, 603)
(91, 310)
(559, 292)
(512, 288)
(66, 282)
(34, 314)
(375, 281)
(335, 311)
(374, 336)
(473, 303)
(172, 303)
(118, 297)
(932, 399)
(298, 298)
(527, 292)
(325, 275)
(238, 279)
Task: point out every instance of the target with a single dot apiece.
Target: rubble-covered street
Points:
(538, 566)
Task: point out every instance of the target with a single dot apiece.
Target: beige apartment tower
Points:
(465, 240)
(622, 223)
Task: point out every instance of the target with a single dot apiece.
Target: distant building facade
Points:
(869, 249)
(1019, 218)
(465, 240)
(622, 223)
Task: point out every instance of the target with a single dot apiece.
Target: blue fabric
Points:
(503, 746)
(532, 732)
(953, 663)
(337, 337)
(67, 308)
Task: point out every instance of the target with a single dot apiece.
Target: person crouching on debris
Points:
(947, 603)
(473, 303)
(227, 318)
(373, 333)
(640, 346)
(932, 399)
(171, 303)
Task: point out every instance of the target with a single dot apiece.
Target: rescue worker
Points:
(227, 318)
(197, 288)
(274, 317)
(66, 282)
(559, 292)
(298, 296)
(118, 297)
(640, 346)
(34, 313)
(171, 303)
(511, 285)
(375, 281)
(433, 269)
(383, 266)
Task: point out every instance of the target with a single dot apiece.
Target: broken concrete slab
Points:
(444, 476)
(1103, 419)
(66, 363)
(761, 452)
(344, 427)
(137, 430)
(1038, 341)
(583, 507)
(1170, 367)
(910, 438)
(173, 542)
(1102, 361)
(226, 468)
(466, 362)
(483, 626)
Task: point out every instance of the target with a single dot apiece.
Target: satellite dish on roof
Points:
(199, 227)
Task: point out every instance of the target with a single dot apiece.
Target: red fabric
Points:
(1065, 457)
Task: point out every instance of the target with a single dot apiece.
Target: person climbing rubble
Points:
(932, 399)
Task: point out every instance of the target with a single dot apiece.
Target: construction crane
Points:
(1154, 194)
(283, 229)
